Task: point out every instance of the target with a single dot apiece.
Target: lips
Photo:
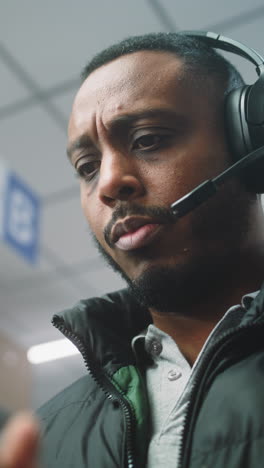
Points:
(134, 232)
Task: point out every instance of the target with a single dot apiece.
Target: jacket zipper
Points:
(109, 389)
(209, 361)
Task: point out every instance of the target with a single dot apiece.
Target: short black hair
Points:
(199, 59)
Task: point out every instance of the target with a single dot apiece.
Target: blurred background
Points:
(47, 260)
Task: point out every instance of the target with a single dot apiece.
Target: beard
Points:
(172, 289)
(176, 288)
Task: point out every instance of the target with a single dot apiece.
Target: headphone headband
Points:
(225, 43)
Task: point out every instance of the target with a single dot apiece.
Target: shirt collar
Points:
(232, 317)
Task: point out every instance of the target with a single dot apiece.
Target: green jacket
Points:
(102, 420)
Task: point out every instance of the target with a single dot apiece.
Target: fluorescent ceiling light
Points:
(50, 351)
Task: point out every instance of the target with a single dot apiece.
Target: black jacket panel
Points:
(224, 425)
(229, 431)
(82, 428)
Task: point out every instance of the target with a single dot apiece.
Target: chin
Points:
(174, 284)
(174, 288)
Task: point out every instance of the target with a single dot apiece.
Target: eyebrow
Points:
(81, 142)
(125, 120)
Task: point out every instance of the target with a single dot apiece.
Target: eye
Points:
(149, 142)
(88, 170)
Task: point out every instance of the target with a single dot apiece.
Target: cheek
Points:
(178, 175)
(93, 213)
(89, 211)
(167, 183)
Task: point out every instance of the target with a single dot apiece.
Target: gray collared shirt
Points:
(169, 380)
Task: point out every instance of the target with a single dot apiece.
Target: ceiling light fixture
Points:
(50, 351)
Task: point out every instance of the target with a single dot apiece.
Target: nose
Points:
(119, 178)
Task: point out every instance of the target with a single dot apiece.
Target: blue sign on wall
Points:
(21, 217)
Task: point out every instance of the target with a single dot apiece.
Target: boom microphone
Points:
(208, 188)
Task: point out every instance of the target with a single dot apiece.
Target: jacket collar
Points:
(106, 325)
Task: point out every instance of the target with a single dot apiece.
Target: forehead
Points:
(130, 77)
(138, 69)
(131, 83)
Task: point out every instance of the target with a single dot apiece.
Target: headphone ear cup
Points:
(236, 125)
(240, 137)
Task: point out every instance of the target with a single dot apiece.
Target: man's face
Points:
(141, 136)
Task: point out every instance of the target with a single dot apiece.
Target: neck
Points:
(190, 328)
(189, 333)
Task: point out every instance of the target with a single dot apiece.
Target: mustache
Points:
(163, 215)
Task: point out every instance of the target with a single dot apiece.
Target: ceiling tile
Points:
(66, 232)
(53, 40)
(26, 311)
(11, 89)
(64, 102)
(197, 15)
(15, 268)
(250, 34)
(33, 145)
(102, 279)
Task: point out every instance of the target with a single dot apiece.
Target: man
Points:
(147, 126)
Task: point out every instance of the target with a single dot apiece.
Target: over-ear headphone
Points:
(244, 109)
